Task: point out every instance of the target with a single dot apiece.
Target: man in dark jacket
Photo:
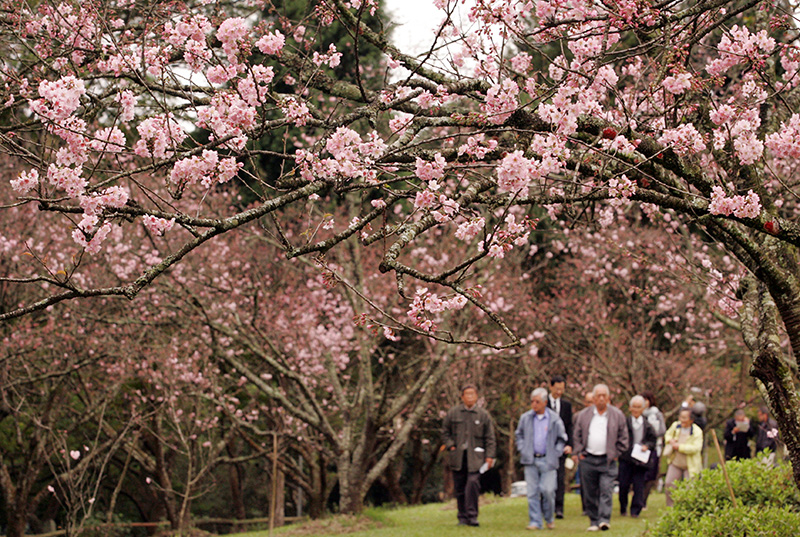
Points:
(737, 434)
(563, 408)
(633, 463)
(468, 437)
(767, 433)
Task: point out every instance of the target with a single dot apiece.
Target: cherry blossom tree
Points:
(572, 111)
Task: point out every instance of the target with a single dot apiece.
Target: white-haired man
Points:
(600, 436)
(541, 437)
(634, 462)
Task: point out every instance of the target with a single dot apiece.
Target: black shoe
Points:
(559, 515)
(604, 526)
(473, 523)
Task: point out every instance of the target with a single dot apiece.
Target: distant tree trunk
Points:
(319, 487)
(235, 480)
(422, 469)
(17, 520)
(278, 487)
(448, 487)
(508, 473)
(391, 480)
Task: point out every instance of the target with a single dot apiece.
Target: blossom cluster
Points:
(426, 305)
(684, 140)
(59, 98)
(621, 187)
(352, 157)
(474, 148)
(741, 126)
(228, 115)
(748, 206)
(677, 84)
(514, 234)
(157, 135)
(738, 46)
(156, 225)
(501, 101)
(207, 169)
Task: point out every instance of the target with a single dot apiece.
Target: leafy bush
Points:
(768, 503)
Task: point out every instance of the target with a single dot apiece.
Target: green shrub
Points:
(742, 521)
(768, 503)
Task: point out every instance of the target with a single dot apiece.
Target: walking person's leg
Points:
(607, 479)
(625, 473)
(532, 481)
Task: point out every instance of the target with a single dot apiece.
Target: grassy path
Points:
(502, 517)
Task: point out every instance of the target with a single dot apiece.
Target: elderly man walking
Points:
(541, 437)
(600, 436)
(468, 436)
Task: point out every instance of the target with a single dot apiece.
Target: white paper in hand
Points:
(639, 455)
(484, 468)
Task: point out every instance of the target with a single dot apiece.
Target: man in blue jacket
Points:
(541, 437)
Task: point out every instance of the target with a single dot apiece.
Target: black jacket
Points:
(648, 439)
(763, 440)
(565, 413)
(736, 446)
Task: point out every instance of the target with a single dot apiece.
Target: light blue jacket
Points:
(556, 438)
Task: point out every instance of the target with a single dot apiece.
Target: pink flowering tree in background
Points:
(131, 119)
(327, 344)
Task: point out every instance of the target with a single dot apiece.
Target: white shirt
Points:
(598, 433)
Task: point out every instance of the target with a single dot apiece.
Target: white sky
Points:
(415, 20)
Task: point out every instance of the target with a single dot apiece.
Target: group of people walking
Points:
(609, 448)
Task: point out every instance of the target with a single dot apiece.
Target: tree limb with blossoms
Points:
(130, 119)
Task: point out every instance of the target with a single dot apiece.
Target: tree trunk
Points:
(235, 479)
(319, 492)
(17, 520)
(772, 369)
(278, 487)
(391, 479)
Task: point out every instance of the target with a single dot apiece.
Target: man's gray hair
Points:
(594, 390)
(541, 393)
(638, 399)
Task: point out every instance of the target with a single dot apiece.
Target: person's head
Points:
(588, 399)
(649, 399)
(739, 415)
(763, 414)
(601, 397)
(685, 418)
(539, 400)
(557, 386)
(469, 395)
(637, 405)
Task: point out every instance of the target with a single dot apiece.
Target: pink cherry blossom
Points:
(677, 84)
(428, 171)
(271, 43)
(26, 181)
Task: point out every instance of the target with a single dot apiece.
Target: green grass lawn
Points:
(499, 517)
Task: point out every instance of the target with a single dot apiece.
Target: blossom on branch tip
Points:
(26, 181)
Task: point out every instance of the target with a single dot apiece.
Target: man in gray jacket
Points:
(541, 437)
(600, 436)
(468, 437)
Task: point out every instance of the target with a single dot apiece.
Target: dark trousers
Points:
(631, 475)
(597, 481)
(560, 486)
(468, 487)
